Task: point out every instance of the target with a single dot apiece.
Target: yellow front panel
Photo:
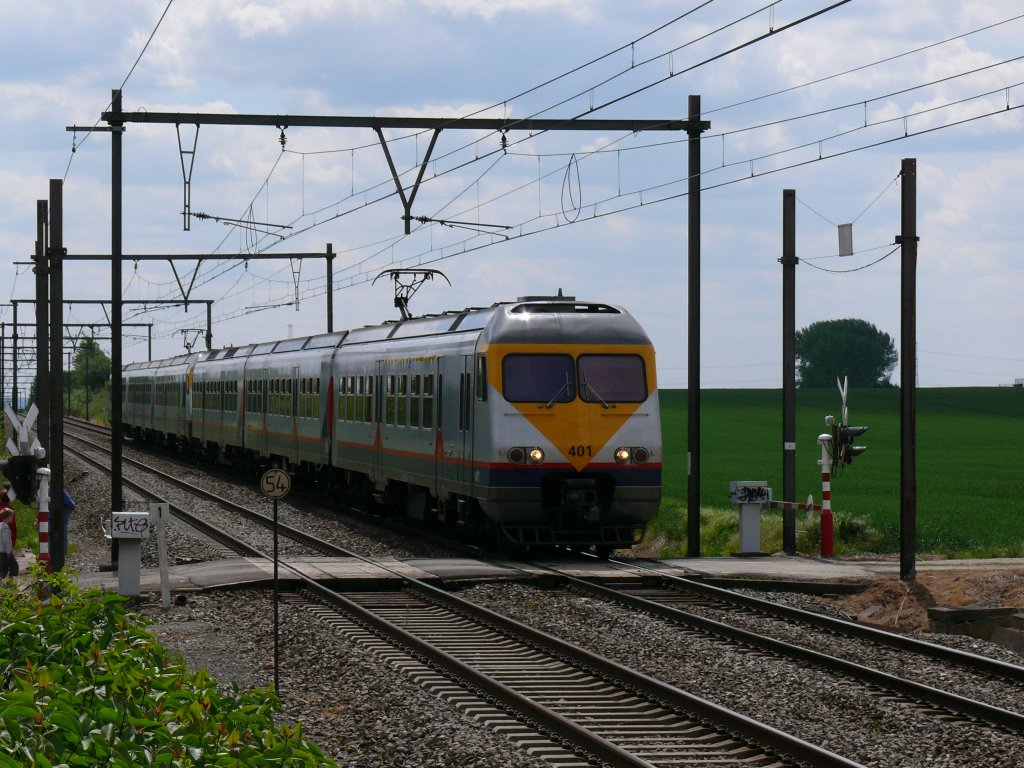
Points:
(580, 430)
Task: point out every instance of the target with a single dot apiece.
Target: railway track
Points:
(711, 612)
(565, 704)
(234, 544)
(585, 702)
(664, 600)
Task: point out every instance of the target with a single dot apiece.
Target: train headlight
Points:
(536, 455)
(634, 455)
(517, 455)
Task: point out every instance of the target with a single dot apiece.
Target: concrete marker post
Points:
(827, 525)
(43, 518)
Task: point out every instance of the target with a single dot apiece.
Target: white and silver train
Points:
(527, 424)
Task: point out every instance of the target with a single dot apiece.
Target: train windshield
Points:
(612, 379)
(538, 378)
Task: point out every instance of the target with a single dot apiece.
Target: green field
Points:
(970, 465)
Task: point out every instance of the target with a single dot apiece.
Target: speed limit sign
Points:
(275, 483)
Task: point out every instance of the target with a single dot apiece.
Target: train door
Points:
(455, 392)
(262, 385)
(381, 393)
(189, 380)
(465, 473)
(294, 390)
(180, 397)
(326, 412)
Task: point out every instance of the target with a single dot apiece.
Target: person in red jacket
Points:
(12, 523)
(8, 563)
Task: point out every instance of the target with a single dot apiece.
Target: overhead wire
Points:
(467, 245)
(763, 172)
(74, 145)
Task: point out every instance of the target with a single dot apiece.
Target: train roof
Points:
(546, 320)
(528, 318)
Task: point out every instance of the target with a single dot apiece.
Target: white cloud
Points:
(491, 9)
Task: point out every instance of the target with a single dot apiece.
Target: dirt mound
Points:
(904, 606)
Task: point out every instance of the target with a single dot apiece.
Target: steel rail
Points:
(920, 692)
(688, 703)
(210, 530)
(839, 626)
(300, 536)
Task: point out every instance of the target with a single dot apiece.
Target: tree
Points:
(91, 366)
(850, 347)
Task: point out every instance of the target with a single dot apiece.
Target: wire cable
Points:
(124, 82)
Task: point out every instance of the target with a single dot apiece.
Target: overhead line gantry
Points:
(117, 119)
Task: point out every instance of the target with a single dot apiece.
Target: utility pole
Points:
(330, 287)
(14, 357)
(42, 271)
(907, 241)
(789, 261)
(695, 126)
(55, 252)
(116, 134)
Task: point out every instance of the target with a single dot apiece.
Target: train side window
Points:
(414, 400)
(463, 395)
(402, 409)
(481, 377)
(428, 400)
(368, 399)
(389, 401)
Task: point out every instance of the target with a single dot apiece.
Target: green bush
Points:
(83, 684)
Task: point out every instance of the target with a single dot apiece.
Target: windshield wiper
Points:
(585, 385)
(563, 388)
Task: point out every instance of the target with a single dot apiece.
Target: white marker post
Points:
(160, 514)
(275, 484)
(129, 528)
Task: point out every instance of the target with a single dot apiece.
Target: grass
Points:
(970, 485)
(970, 481)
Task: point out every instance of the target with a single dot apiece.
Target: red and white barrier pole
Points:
(827, 529)
(43, 518)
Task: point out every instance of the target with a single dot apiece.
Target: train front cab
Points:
(571, 442)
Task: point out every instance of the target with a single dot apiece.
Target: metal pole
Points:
(87, 392)
(42, 325)
(789, 262)
(330, 288)
(277, 632)
(908, 369)
(3, 361)
(149, 347)
(56, 451)
(68, 387)
(14, 359)
(693, 336)
(209, 325)
(116, 135)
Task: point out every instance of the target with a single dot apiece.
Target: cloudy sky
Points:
(599, 215)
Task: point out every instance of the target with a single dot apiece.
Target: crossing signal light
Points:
(21, 471)
(847, 450)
